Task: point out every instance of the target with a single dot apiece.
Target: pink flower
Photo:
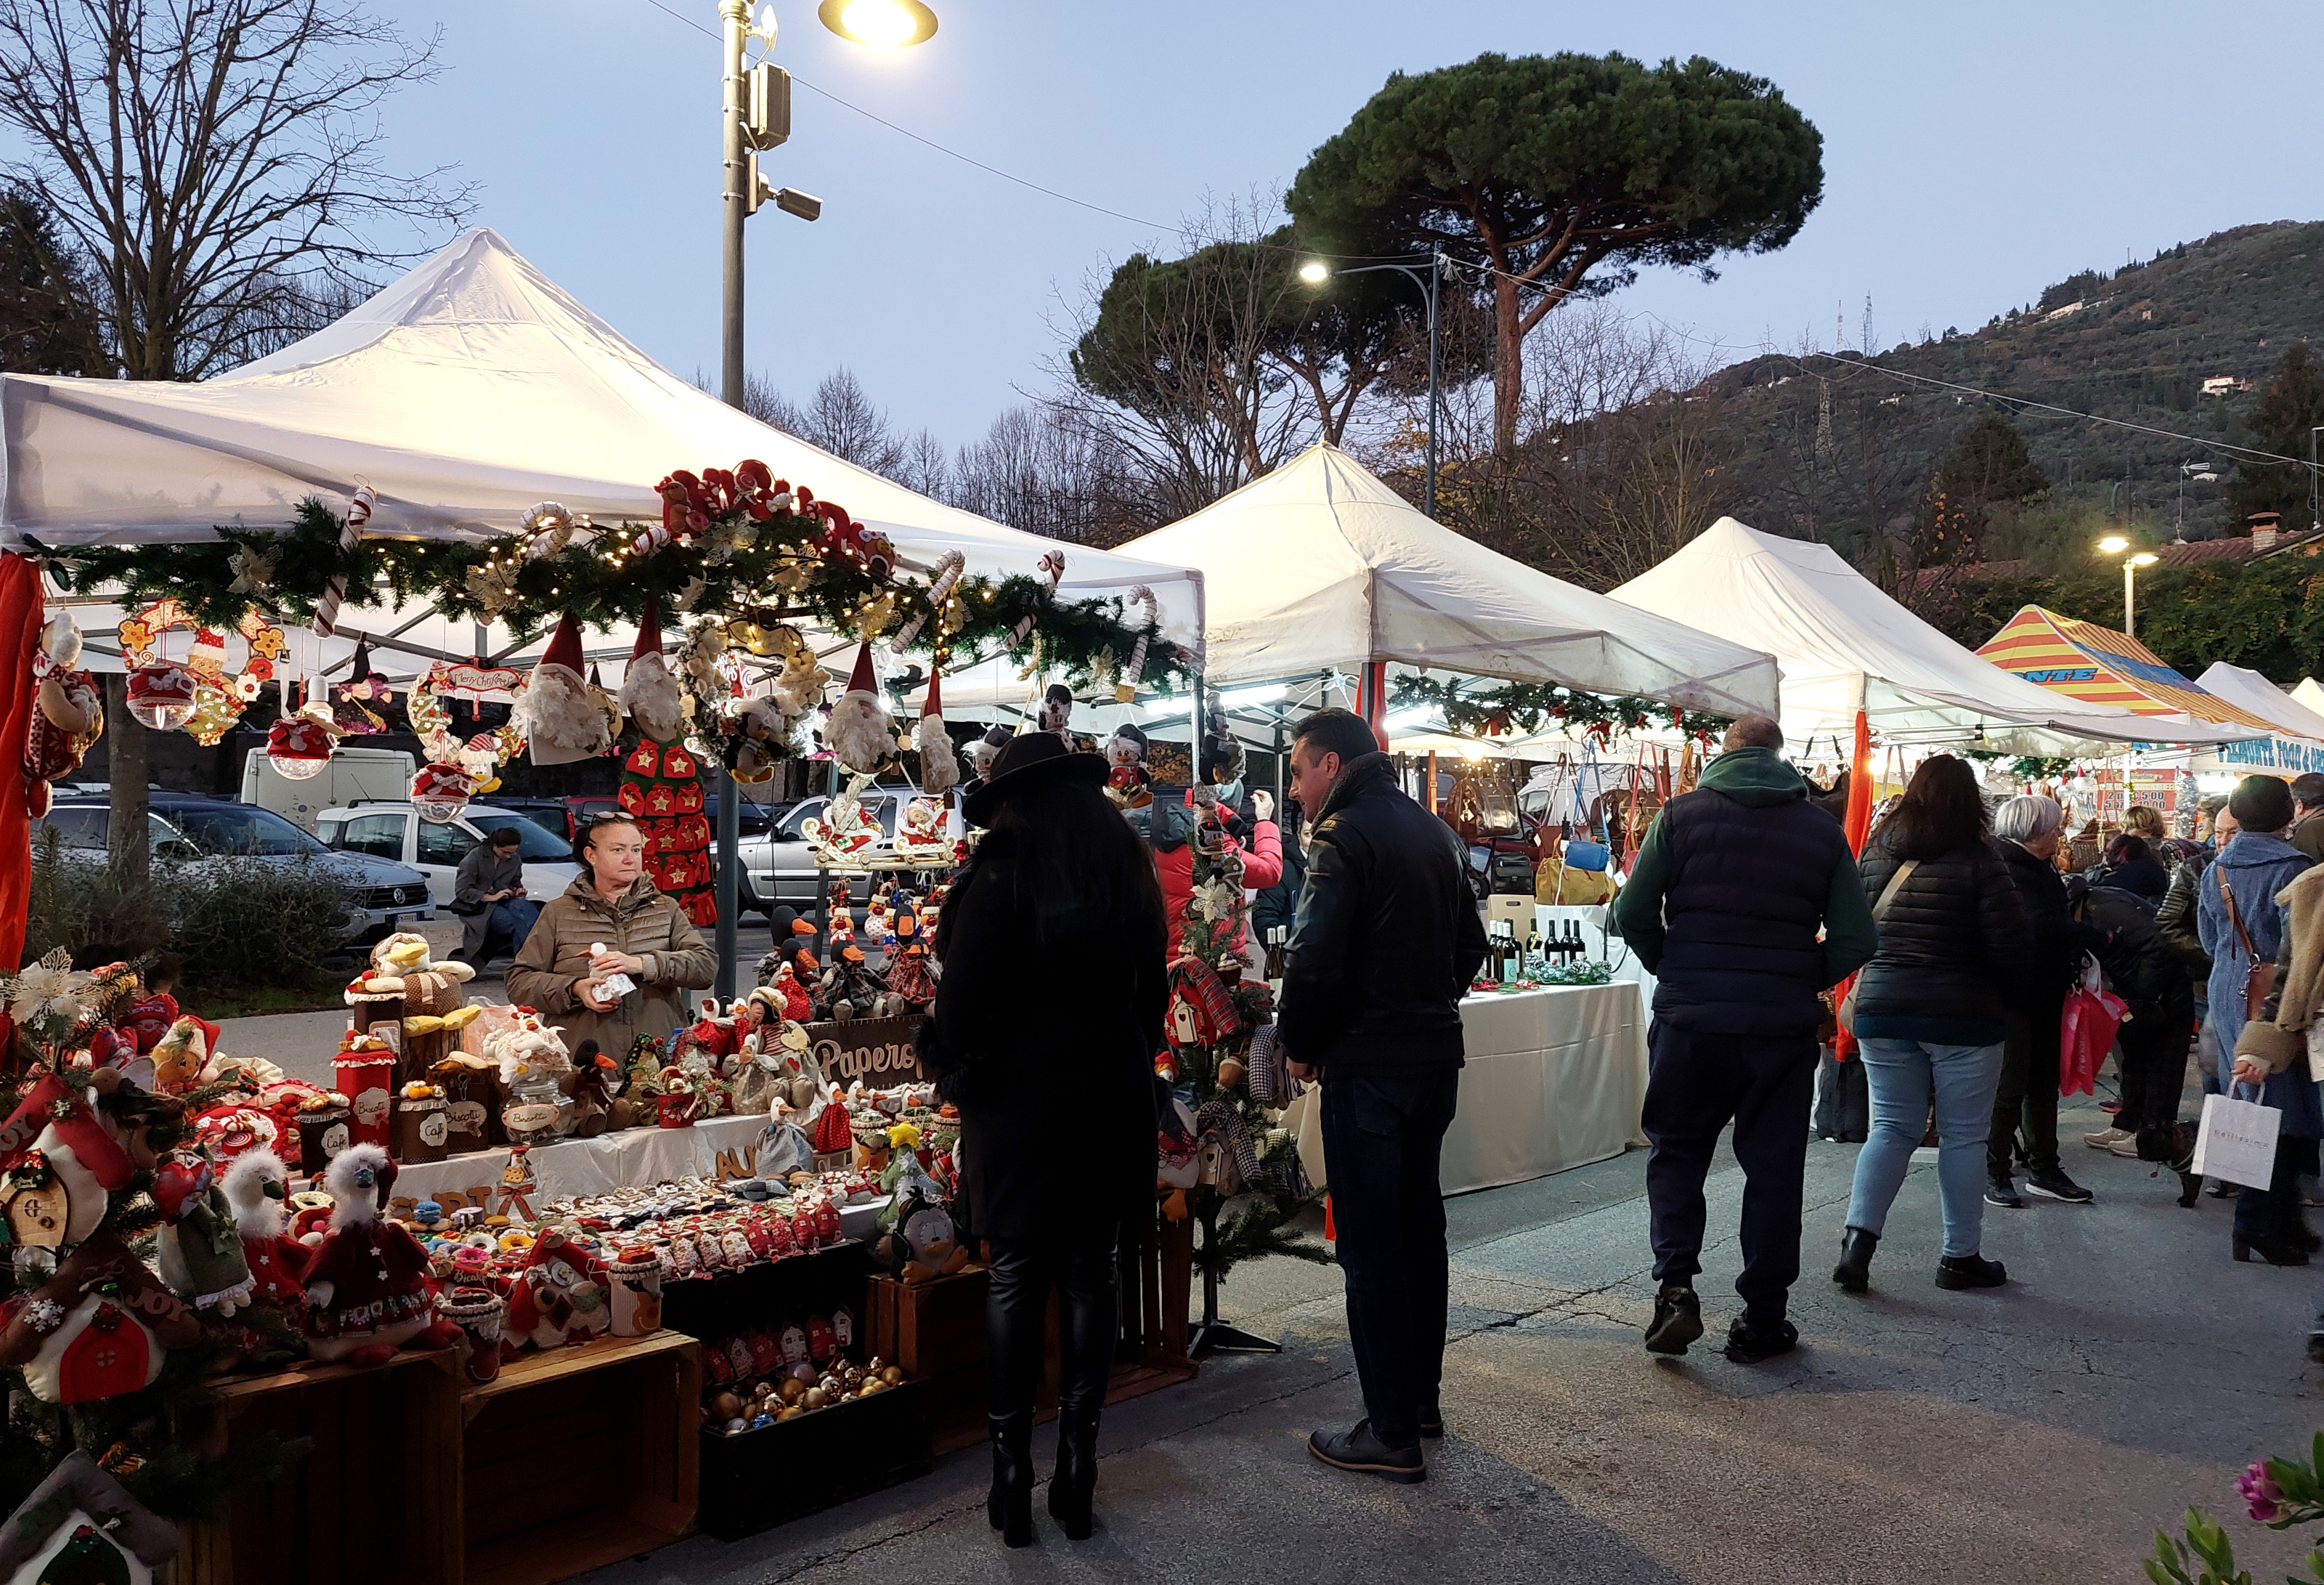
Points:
(2261, 1493)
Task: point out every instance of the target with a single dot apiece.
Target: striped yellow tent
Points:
(2099, 666)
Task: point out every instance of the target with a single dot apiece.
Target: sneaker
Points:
(2126, 1147)
(2107, 1138)
(1358, 1450)
(1970, 1271)
(2055, 1184)
(2002, 1191)
(2220, 1189)
(1678, 1319)
(1749, 1341)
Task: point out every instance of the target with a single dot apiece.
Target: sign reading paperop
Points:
(878, 1051)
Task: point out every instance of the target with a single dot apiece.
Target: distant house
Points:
(2224, 384)
(2265, 539)
(2072, 308)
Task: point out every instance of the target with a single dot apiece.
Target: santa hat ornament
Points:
(557, 712)
(939, 761)
(439, 792)
(161, 696)
(860, 733)
(299, 746)
(649, 691)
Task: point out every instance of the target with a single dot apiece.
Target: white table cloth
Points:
(721, 1149)
(1555, 1078)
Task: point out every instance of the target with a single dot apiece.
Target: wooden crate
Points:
(376, 1500)
(570, 1460)
(579, 1456)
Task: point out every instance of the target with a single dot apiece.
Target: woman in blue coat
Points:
(2242, 924)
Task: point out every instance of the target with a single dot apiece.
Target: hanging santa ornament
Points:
(561, 720)
(298, 746)
(939, 761)
(860, 733)
(161, 696)
(439, 792)
(661, 780)
(68, 714)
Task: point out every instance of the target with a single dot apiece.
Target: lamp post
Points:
(1315, 272)
(755, 103)
(2115, 545)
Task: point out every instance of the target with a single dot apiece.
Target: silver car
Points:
(778, 868)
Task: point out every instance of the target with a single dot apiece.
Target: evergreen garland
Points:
(786, 567)
(1502, 709)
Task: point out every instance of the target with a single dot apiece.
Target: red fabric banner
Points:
(19, 630)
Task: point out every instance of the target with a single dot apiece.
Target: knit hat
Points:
(2261, 803)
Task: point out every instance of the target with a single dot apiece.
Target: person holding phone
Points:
(488, 893)
(612, 924)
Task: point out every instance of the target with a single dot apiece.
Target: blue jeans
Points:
(515, 917)
(1900, 1074)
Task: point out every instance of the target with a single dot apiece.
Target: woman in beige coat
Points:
(561, 973)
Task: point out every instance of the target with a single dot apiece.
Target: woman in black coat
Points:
(1930, 1015)
(1047, 1020)
(2030, 831)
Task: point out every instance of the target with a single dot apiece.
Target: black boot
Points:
(1009, 1505)
(1073, 1488)
(1854, 1272)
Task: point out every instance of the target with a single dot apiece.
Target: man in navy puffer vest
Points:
(1744, 904)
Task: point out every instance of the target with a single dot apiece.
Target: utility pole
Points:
(733, 16)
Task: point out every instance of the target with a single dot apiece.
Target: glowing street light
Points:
(1315, 272)
(2115, 545)
(889, 24)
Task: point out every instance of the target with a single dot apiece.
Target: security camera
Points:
(806, 205)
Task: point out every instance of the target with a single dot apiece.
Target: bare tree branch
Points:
(219, 162)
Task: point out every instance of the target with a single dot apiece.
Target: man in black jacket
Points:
(1384, 944)
(1724, 908)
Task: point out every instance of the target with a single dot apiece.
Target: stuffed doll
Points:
(563, 1293)
(200, 1252)
(68, 715)
(258, 1192)
(367, 1284)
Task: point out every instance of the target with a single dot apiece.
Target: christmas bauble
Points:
(161, 697)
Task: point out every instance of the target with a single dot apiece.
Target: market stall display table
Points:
(718, 1150)
(1555, 1078)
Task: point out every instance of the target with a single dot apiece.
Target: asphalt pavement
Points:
(2039, 1432)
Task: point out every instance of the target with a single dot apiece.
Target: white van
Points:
(353, 776)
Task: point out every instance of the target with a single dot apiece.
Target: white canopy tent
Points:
(464, 392)
(2297, 748)
(1844, 645)
(1319, 566)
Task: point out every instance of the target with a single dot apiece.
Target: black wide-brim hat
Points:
(1032, 759)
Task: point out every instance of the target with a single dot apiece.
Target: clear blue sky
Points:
(1973, 153)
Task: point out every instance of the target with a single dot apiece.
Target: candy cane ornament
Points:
(1052, 563)
(1125, 692)
(949, 566)
(335, 589)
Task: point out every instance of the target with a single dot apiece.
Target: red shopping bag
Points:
(2085, 1035)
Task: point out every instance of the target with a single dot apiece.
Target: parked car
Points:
(353, 776)
(387, 896)
(396, 831)
(779, 867)
(554, 815)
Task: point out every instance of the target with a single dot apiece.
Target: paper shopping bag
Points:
(2237, 1144)
(1302, 1120)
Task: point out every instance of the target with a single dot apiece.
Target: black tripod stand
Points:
(1212, 1335)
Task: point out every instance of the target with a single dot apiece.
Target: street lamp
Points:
(2115, 545)
(1315, 272)
(756, 117)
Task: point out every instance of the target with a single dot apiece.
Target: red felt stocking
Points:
(52, 1104)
